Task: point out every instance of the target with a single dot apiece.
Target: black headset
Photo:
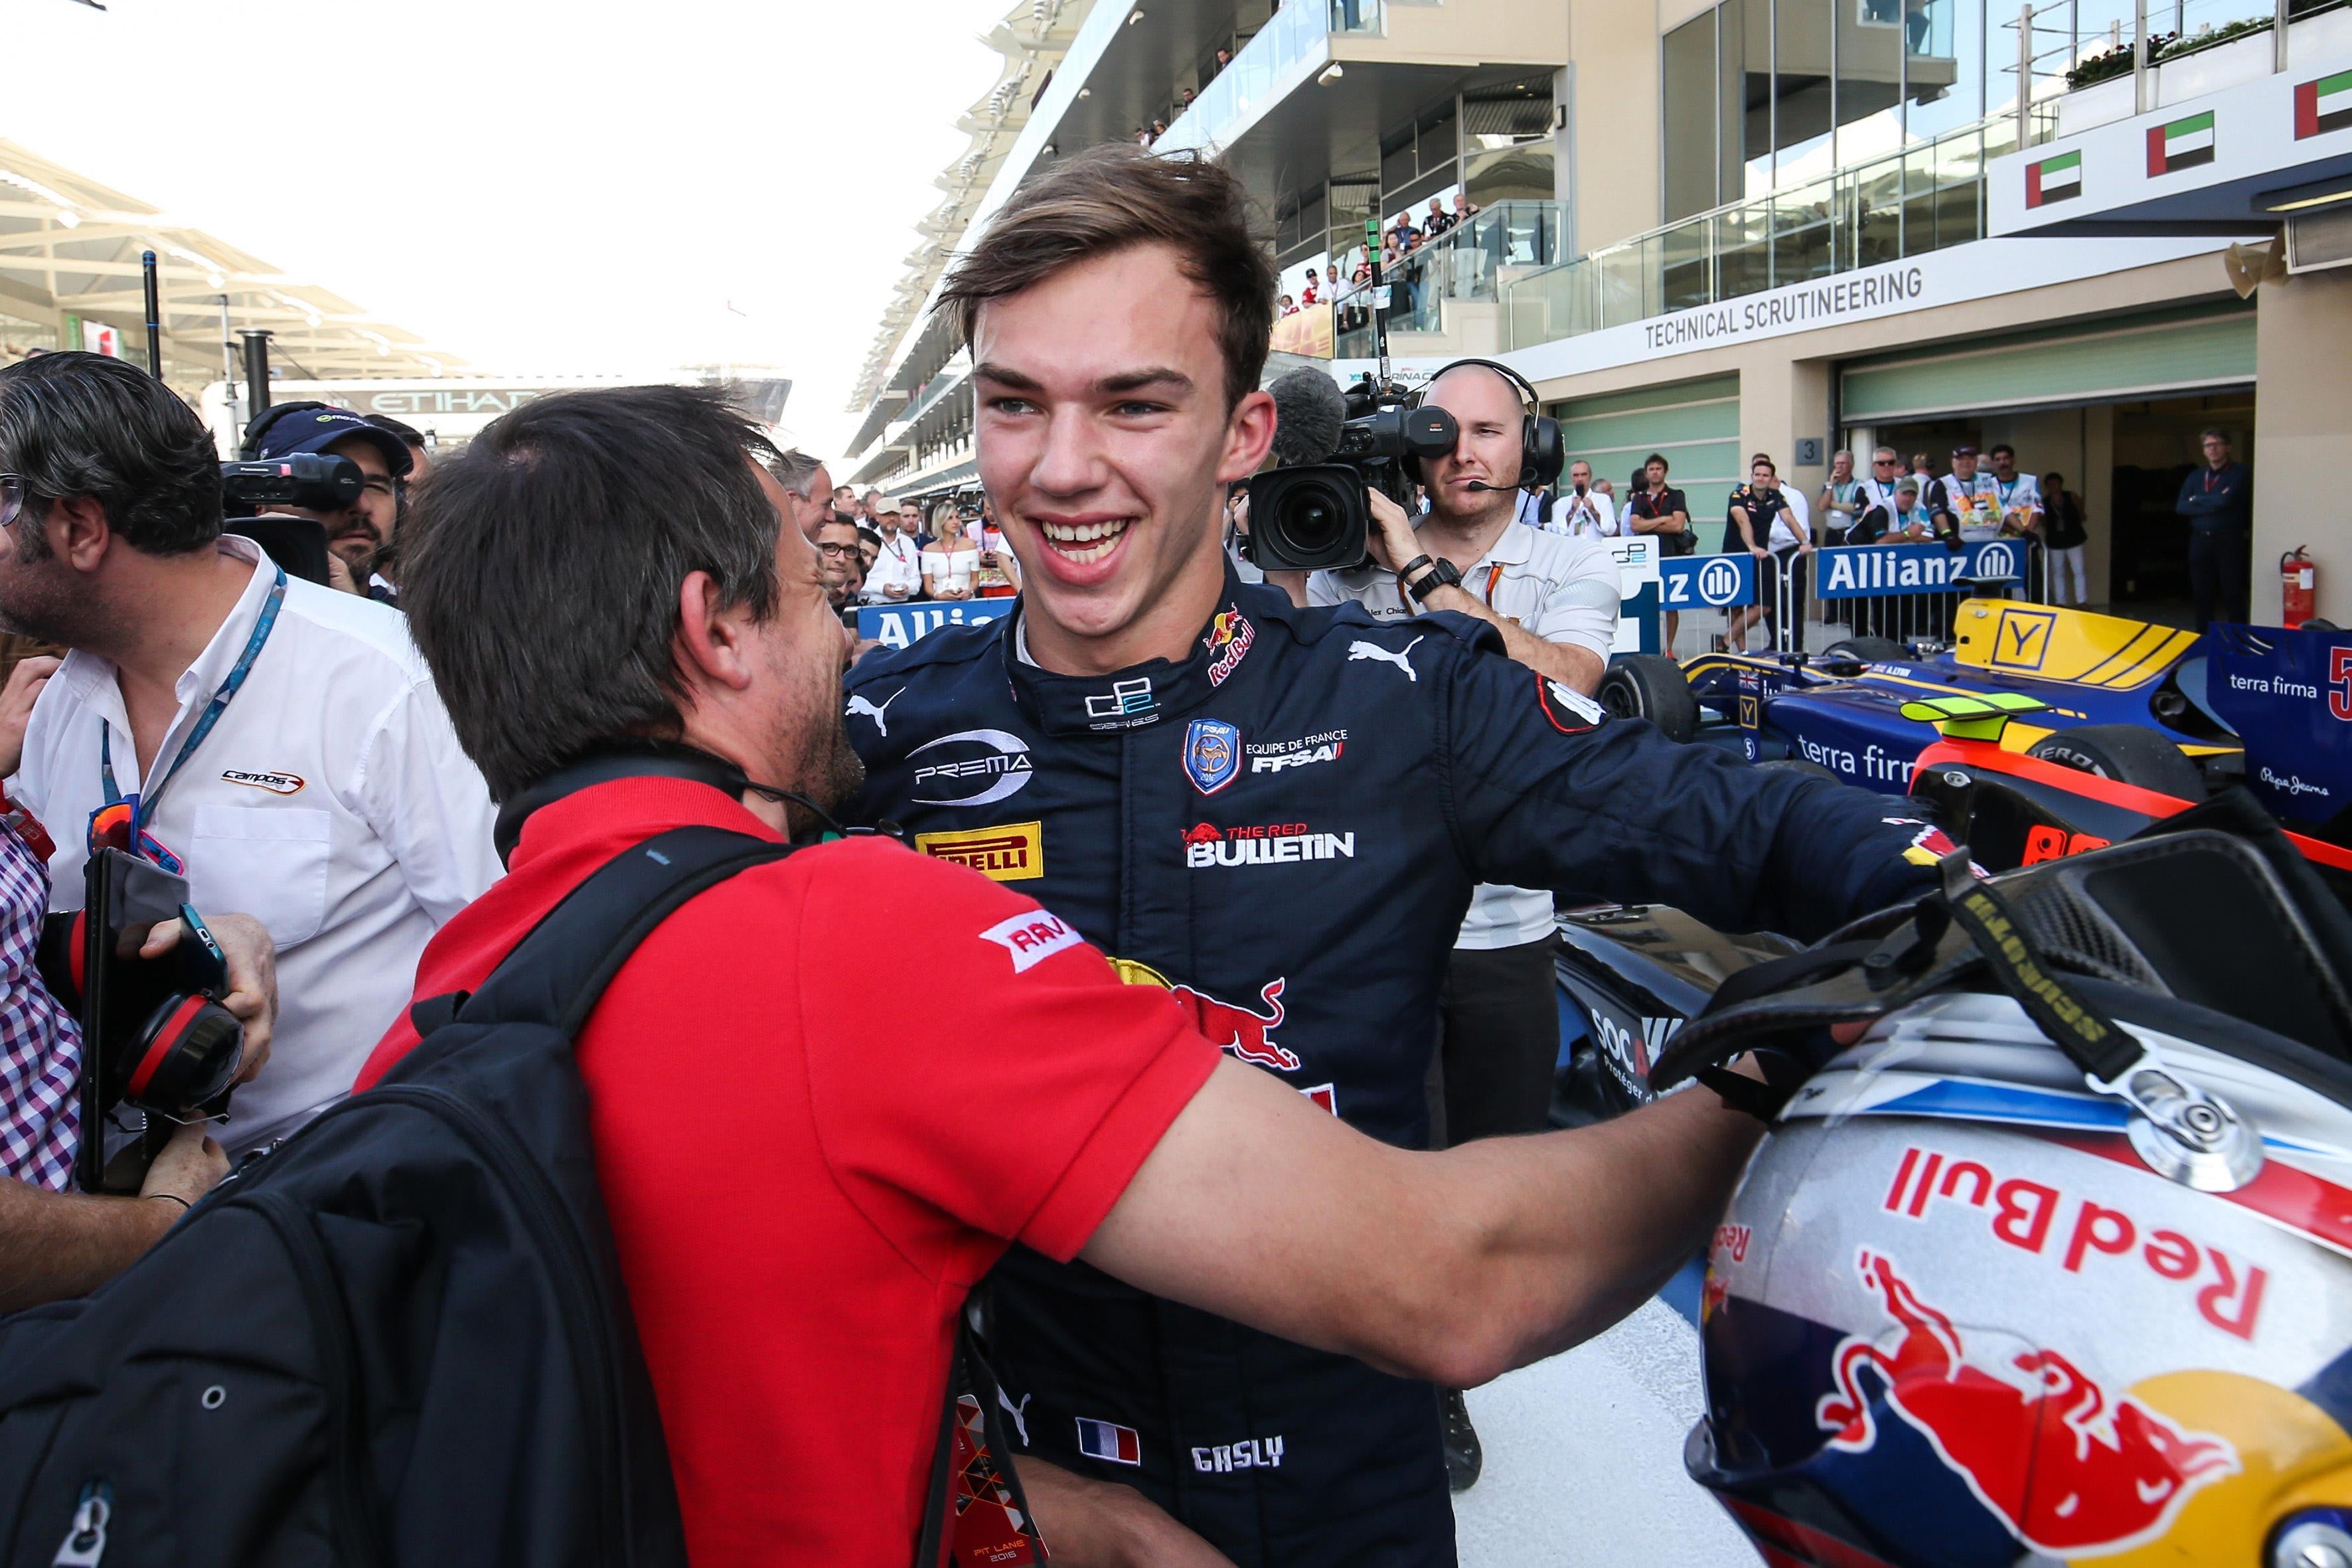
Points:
(1542, 451)
(250, 447)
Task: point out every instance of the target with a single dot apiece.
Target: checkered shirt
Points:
(40, 1043)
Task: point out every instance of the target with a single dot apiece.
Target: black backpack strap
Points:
(556, 974)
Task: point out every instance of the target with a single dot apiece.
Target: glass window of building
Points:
(1943, 68)
(1688, 111)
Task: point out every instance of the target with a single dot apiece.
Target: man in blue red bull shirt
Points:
(1274, 814)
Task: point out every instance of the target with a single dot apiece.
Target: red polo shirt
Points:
(825, 1094)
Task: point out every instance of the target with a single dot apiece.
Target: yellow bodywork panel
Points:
(2053, 644)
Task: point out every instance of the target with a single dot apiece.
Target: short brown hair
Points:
(1109, 198)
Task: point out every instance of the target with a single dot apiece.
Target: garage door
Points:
(2163, 354)
(1694, 425)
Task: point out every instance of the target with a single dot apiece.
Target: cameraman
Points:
(1284, 812)
(1555, 599)
(55, 1243)
(360, 535)
(279, 744)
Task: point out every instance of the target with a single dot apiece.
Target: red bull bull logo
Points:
(1227, 641)
(1245, 1032)
(2068, 1470)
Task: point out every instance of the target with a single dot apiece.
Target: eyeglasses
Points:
(13, 491)
(836, 549)
(1882, 462)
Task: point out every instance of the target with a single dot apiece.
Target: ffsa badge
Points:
(1212, 754)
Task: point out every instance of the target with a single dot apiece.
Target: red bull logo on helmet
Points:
(2067, 1468)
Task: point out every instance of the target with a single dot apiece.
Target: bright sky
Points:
(591, 186)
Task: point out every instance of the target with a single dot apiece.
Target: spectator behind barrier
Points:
(811, 488)
(863, 1129)
(278, 740)
(836, 549)
(360, 533)
(950, 561)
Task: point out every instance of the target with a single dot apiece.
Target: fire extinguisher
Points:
(2298, 586)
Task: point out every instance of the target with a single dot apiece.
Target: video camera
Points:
(1307, 513)
(311, 480)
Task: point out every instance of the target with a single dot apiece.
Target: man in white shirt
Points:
(1555, 597)
(1583, 513)
(898, 572)
(283, 741)
(2018, 496)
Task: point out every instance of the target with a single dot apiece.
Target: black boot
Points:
(1462, 1456)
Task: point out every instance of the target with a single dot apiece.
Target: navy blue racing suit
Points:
(1284, 829)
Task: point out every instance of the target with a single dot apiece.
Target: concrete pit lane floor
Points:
(1584, 1458)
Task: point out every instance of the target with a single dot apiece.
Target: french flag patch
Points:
(1111, 1441)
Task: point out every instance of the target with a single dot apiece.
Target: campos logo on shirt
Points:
(1013, 853)
(1273, 756)
(971, 767)
(1032, 938)
(1267, 844)
(276, 784)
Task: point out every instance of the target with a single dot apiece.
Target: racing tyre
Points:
(2317, 624)
(1648, 686)
(2126, 753)
(1799, 765)
(1865, 650)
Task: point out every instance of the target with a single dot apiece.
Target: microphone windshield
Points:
(1309, 409)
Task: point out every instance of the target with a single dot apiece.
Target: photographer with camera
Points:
(359, 534)
(1555, 598)
(1278, 816)
(55, 1243)
(277, 743)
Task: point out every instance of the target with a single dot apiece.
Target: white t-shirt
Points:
(1561, 589)
(330, 801)
(898, 564)
(2019, 499)
(1589, 516)
(1974, 501)
(950, 569)
(1796, 525)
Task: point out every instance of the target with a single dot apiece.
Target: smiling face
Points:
(1104, 439)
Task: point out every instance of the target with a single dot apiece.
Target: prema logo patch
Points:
(1032, 938)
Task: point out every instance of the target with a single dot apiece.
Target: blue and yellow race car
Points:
(2119, 699)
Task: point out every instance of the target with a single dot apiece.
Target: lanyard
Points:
(213, 710)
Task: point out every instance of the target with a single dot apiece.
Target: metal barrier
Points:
(1810, 599)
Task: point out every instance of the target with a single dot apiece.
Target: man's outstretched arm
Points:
(1454, 1267)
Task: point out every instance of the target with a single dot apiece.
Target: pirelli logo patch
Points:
(1014, 852)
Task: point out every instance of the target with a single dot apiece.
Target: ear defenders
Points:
(182, 1055)
(1542, 452)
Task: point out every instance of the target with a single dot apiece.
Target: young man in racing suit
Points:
(1277, 815)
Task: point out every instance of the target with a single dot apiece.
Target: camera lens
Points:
(1313, 519)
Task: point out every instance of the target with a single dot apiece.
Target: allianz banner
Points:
(896, 625)
(1871, 571)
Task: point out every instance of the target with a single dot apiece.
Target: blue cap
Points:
(316, 429)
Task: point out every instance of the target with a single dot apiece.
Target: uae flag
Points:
(2324, 105)
(2183, 144)
(2054, 179)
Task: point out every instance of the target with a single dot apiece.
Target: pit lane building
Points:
(1708, 229)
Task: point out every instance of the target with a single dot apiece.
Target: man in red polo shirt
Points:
(806, 1173)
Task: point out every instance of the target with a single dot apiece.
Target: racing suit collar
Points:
(1139, 695)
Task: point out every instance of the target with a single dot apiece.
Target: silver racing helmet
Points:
(2053, 1263)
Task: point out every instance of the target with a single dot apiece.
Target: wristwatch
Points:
(1441, 575)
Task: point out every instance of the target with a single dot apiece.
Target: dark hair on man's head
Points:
(2213, 433)
(80, 424)
(1659, 458)
(1108, 199)
(1763, 461)
(410, 436)
(2003, 446)
(541, 569)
